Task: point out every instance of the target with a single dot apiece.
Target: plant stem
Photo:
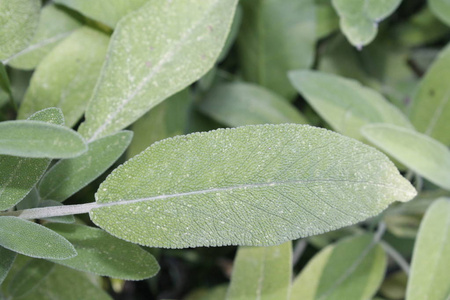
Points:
(300, 246)
(51, 211)
(403, 264)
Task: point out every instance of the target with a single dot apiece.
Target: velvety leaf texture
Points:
(253, 185)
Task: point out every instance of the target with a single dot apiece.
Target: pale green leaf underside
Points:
(238, 104)
(345, 104)
(29, 277)
(6, 262)
(39, 139)
(419, 152)
(33, 240)
(431, 258)
(359, 19)
(155, 52)
(252, 185)
(441, 9)
(102, 254)
(351, 269)
(261, 273)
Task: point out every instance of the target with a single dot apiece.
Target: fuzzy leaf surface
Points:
(155, 52)
(255, 185)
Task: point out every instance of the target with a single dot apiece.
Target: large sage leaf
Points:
(441, 9)
(68, 176)
(261, 273)
(33, 240)
(39, 139)
(19, 174)
(6, 262)
(419, 152)
(275, 37)
(351, 269)
(19, 20)
(29, 277)
(102, 254)
(359, 19)
(66, 77)
(431, 257)
(344, 103)
(155, 52)
(55, 24)
(252, 185)
(430, 108)
(238, 104)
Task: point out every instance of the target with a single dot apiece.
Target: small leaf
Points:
(55, 24)
(5, 85)
(33, 240)
(152, 57)
(6, 262)
(30, 201)
(252, 185)
(359, 19)
(275, 37)
(419, 152)
(261, 273)
(68, 176)
(441, 9)
(39, 139)
(430, 108)
(351, 269)
(431, 257)
(58, 219)
(71, 70)
(344, 103)
(52, 115)
(29, 277)
(103, 254)
(238, 104)
(19, 19)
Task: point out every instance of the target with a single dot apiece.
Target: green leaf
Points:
(222, 187)
(108, 12)
(261, 273)
(441, 9)
(238, 104)
(419, 152)
(359, 19)
(430, 108)
(431, 258)
(6, 262)
(275, 37)
(58, 219)
(150, 58)
(30, 201)
(351, 269)
(39, 139)
(65, 283)
(18, 175)
(19, 20)
(55, 24)
(103, 254)
(327, 19)
(394, 286)
(344, 103)
(71, 70)
(33, 240)
(68, 176)
(5, 85)
(29, 277)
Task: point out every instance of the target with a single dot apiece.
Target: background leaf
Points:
(151, 58)
(29, 277)
(6, 262)
(223, 187)
(441, 9)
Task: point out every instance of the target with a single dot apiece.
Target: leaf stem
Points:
(403, 264)
(51, 211)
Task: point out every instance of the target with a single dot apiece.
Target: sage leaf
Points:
(19, 174)
(255, 185)
(68, 176)
(116, 9)
(351, 269)
(344, 103)
(238, 104)
(19, 19)
(417, 151)
(359, 19)
(6, 262)
(430, 107)
(431, 257)
(103, 254)
(33, 240)
(29, 277)
(71, 69)
(261, 273)
(441, 9)
(55, 24)
(39, 139)
(30, 201)
(5, 85)
(154, 52)
(276, 37)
